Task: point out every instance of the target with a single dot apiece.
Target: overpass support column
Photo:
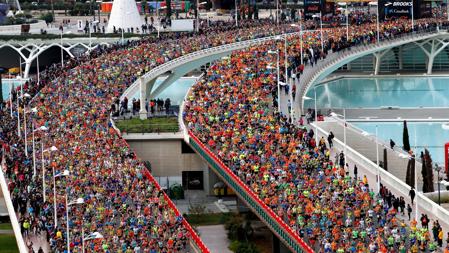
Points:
(378, 56)
(436, 46)
(278, 246)
(143, 95)
(27, 68)
(400, 58)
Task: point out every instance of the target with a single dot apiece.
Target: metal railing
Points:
(170, 65)
(195, 243)
(273, 221)
(147, 128)
(394, 184)
(312, 73)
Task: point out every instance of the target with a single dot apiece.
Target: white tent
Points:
(125, 15)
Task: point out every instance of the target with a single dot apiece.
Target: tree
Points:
(47, 17)
(168, 2)
(427, 172)
(243, 247)
(410, 176)
(405, 138)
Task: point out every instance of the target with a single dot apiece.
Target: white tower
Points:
(124, 15)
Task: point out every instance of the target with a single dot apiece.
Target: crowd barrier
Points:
(266, 214)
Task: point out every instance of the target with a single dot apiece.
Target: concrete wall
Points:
(167, 160)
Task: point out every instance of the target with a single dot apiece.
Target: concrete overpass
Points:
(182, 65)
(37, 52)
(432, 43)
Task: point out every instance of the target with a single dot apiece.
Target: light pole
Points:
(377, 161)
(277, 76)
(236, 16)
(321, 30)
(33, 110)
(43, 129)
(438, 169)
(78, 201)
(65, 173)
(413, 19)
(198, 14)
(25, 96)
(300, 36)
(93, 236)
(37, 65)
(447, 9)
(347, 17)
(18, 116)
(62, 53)
(277, 12)
(416, 176)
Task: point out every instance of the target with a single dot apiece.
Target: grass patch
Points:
(5, 226)
(8, 244)
(151, 125)
(207, 219)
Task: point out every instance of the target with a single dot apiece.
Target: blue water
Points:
(176, 92)
(377, 92)
(6, 86)
(428, 135)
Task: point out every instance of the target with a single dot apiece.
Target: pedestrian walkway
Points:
(366, 146)
(215, 238)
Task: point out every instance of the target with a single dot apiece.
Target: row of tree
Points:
(426, 164)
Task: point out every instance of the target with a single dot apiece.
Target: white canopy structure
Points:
(124, 15)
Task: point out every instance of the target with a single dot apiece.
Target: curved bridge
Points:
(312, 75)
(182, 65)
(30, 50)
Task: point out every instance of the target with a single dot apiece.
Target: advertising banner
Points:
(311, 7)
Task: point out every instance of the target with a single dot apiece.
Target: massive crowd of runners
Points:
(78, 154)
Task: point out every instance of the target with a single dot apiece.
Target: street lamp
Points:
(62, 51)
(158, 20)
(198, 14)
(33, 110)
(377, 19)
(43, 129)
(347, 17)
(438, 169)
(78, 201)
(377, 161)
(236, 17)
(25, 96)
(277, 78)
(321, 30)
(63, 174)
(300, 37)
